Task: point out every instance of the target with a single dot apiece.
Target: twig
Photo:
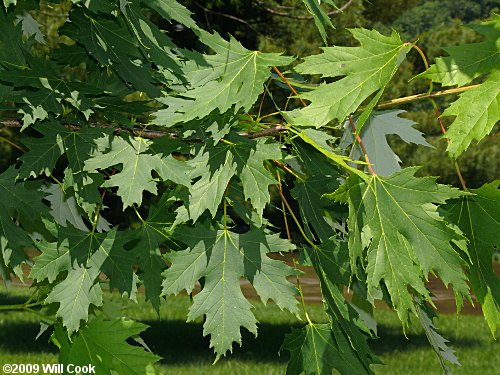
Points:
(402, 100)
(414, 98)
(206, 10)
(285, 14)
(267, 132)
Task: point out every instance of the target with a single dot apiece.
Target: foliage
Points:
(154, 125)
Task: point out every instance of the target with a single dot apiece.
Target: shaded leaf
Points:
(233, 76)
(438, 342)
(373, 134)
(222, 258)
(103, 344)
(152, 233)
(478, 216)
(84, 255)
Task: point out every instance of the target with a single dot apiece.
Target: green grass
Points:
(186, 352)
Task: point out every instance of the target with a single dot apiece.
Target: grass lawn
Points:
(186, 352)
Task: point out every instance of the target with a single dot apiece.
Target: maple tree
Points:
(178, 137)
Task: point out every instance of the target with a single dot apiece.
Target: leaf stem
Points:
(13, 144)
(96, 218)
(438, 114)
(289, 170)
(268, 115)
(360, 142)
(138, 214)
(289, 86)
(431, 97)
(443, 129)
(285, 219)
(301, 230)
(426, 63)
(262, 100)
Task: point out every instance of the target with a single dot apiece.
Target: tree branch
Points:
(285, 14)
(149, 134)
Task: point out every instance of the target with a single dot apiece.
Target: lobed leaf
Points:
(396, 219)
(366, 69)
(378, 126)
(222, 258)
(103, 344)
(477, 110)
(478, 216)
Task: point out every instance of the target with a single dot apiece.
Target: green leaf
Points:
(478, 216)
(340, 160)
(133, 153)
(84, 255)
(31, 27)
(43, 152)
(103, 344)
(154, 44)
(316, 350)
(78, 145)
(63, 207)
(171, 9)
(51, 262)
(315, 209)
(408, 237)
(152, 233)
(321, 18)
(222, 258)
(13, 241)
(216, 165)
(367, 69)
(477, 111)
(233, 76)
(40, 90)
(249, 157)
(438, 342)
(468, 61)
(346, 339)
(373, 134)
(242, 208)
(23, 201)
(110, 42)
(312, 350)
